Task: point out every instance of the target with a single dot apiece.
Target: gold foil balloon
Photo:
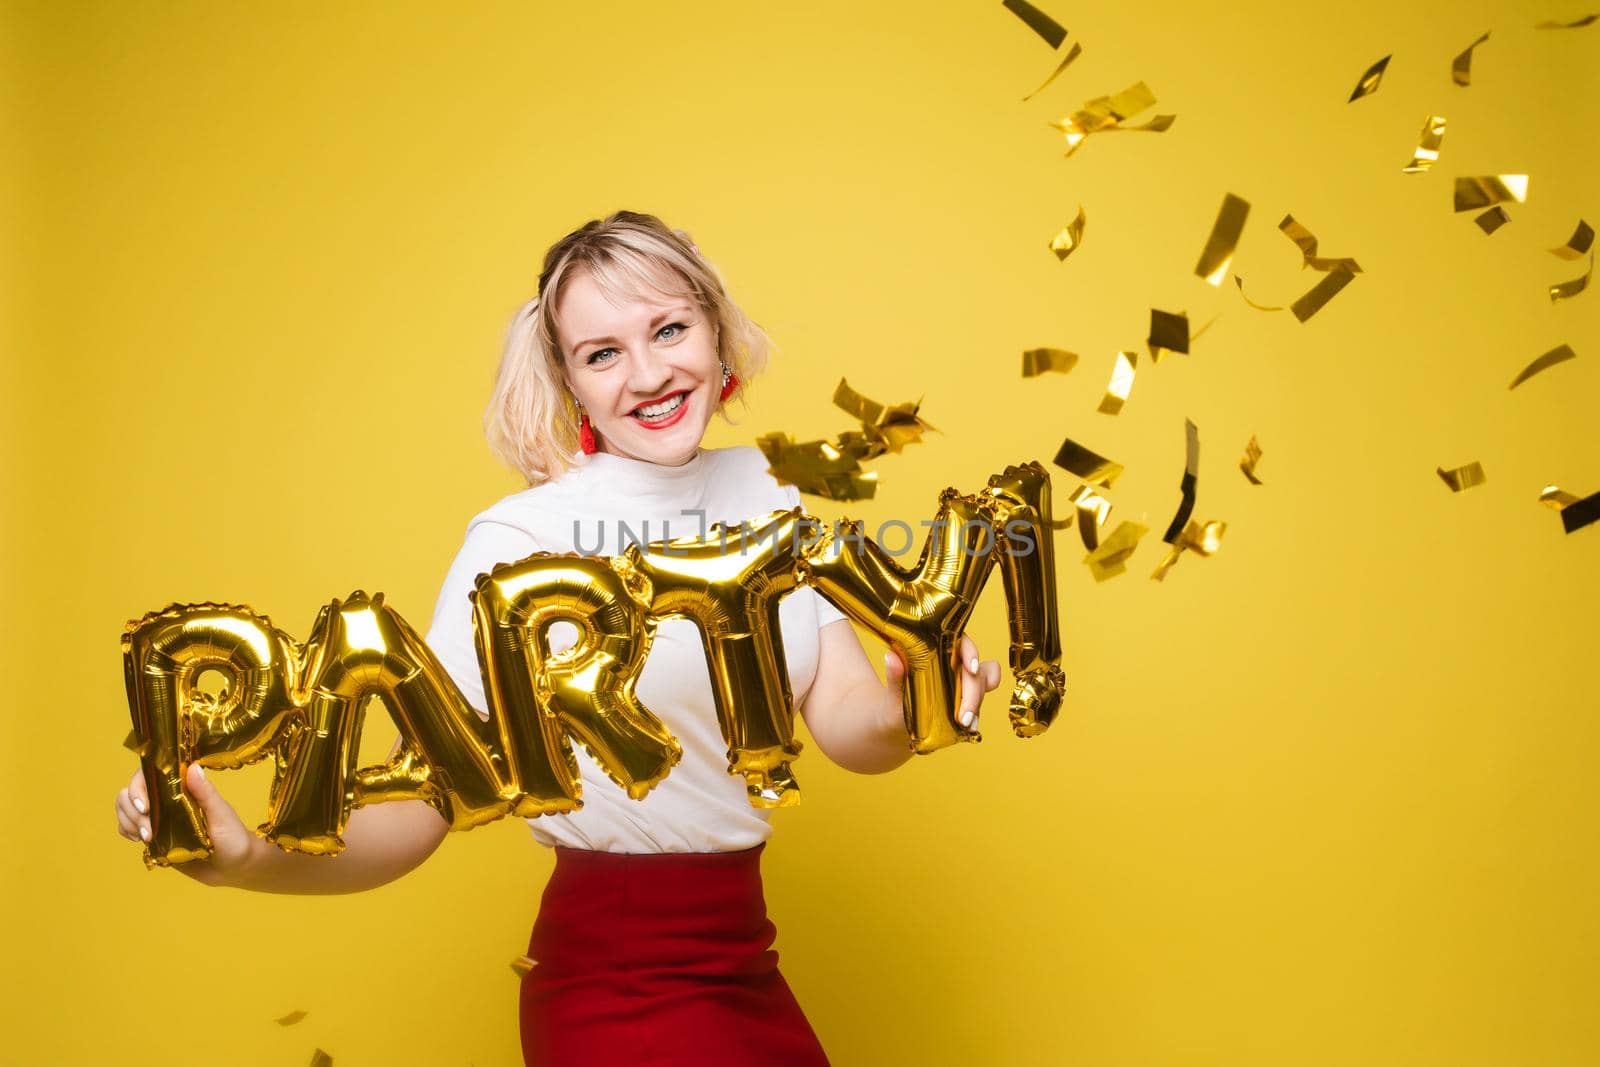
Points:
(920, 612)
(1028, 565)
(175, 722)
(730, 585)
(586, 691)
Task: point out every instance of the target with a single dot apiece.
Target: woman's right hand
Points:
(233, 844)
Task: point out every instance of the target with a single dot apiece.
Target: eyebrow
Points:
(681, 309)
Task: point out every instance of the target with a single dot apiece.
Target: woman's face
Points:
(646, 373)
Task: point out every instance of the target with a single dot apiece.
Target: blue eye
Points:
(597, 353)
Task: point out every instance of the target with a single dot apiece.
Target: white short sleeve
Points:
(487, 544)
(826, 612)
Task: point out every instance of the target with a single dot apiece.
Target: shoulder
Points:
(528, 511)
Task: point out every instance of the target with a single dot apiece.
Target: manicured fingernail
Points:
(966, 719)
(139, 803)
(200, 772)
(972, 665)
(144, 832)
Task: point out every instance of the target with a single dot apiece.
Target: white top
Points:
(699, 806)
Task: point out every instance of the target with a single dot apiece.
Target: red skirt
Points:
(659, 958)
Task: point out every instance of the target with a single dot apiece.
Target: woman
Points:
(652, 943)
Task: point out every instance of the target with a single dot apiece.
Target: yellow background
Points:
(1326, 797)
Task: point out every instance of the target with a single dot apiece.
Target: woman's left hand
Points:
(977, 678)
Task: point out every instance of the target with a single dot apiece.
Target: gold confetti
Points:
(1077, 50)
(1463, 477)
(1581, 513)
(1580, 242)
(1492, 219)
(1168, 333)
(1306, 242)
(523, 964)
(1474, 193)
(1259, 307)
(1461, 67)
(1369, 81)
(1558, 354)
(1121, 383)
(1252, 456)
(1202, 540)
(1567, 290)
(320, 1058)
(1092, 511)
(133, 744)
(1036, 361)
(1091, 467)
(1067, 241)
(1324, 291)
(1191, 477)
(1587, 20)
(1224, 240)
(290, 1019)
(1037, 21)
(1105, 114)
(1196, 335)
(1428, 141)
(1556, 497)
(832, 468)
(1111, 557)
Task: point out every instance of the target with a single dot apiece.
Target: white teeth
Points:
(656, 411)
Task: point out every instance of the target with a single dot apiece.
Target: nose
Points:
(648, 374)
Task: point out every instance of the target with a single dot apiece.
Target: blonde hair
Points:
(532, 418)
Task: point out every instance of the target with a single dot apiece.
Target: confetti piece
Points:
(1581, 241)
(889, 428)
(1587, 20)
(1492, 219)
(320, 1058)
(290, 1019)
(1077, 50)
(133, 744)
(1583, 513)
(1370, 80)
(1428, 141)
(1252, 456)
(1324, 291)
(1037, 21)
(1463, 477)
(1092, 511)
(1568, 290)
(1556, 497)
(1168, 333)
(1105, 114)
(1067, 241)
(1091, 467)
(1461, 66)
(1196, 335)
(1191, 477)
(1036, 361)
(523, 964)
(1474, 193)
(1121, 383)
(1306, 242)
(1202, 540)
(1558, 354)
(1223, 241)
(1111, 558)
(1259, 307)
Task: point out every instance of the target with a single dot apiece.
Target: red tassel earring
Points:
(586, 435)
(730, 382)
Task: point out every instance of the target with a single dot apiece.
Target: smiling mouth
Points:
(661, 410)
